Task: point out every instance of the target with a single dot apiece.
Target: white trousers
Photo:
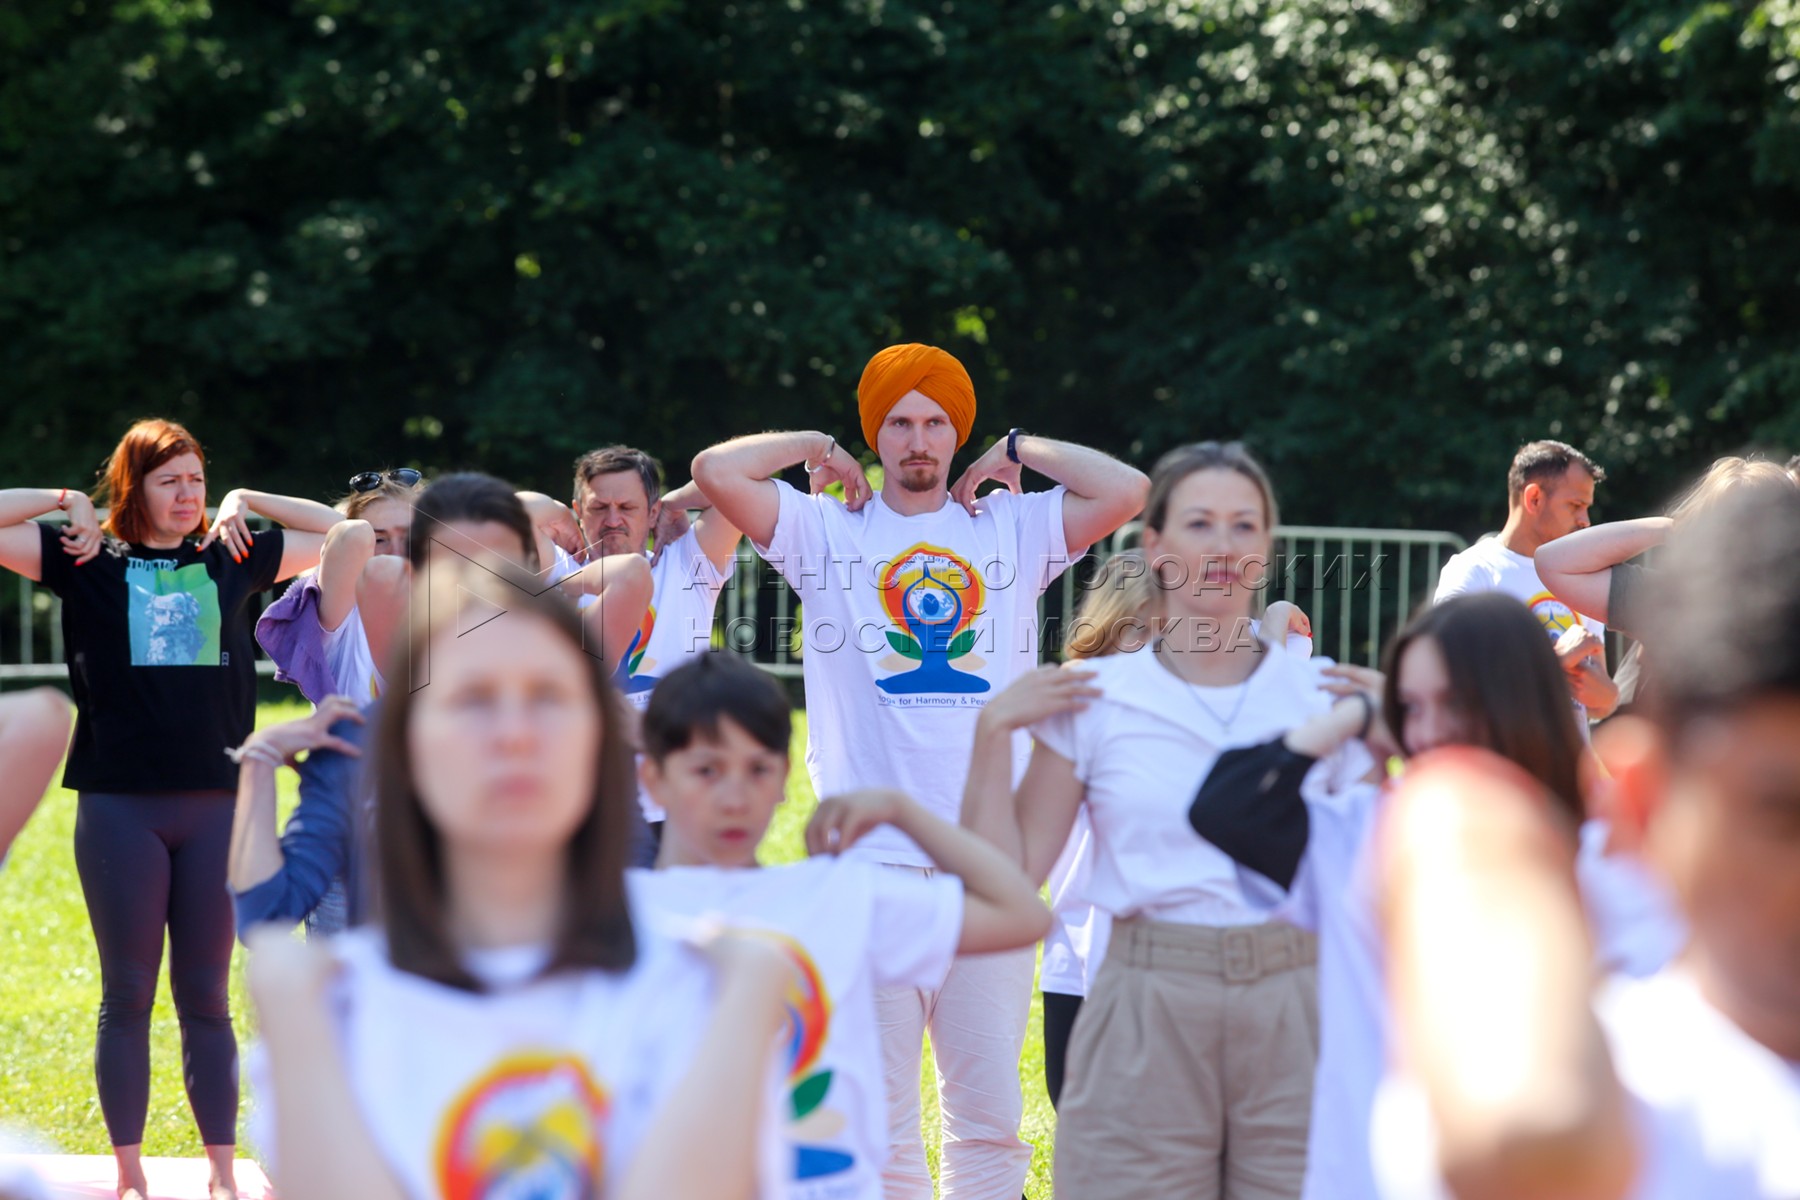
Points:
(977, 1018)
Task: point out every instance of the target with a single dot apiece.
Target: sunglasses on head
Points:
(368, 481)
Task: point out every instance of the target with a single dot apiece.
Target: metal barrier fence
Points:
(1356, 585)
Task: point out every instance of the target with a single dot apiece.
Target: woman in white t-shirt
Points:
(1111, 618)
(508, 1026)
(379, 508)
(1474, 670)
(1190, 1069)
(314, 633)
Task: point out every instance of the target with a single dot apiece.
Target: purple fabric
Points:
(290, 632)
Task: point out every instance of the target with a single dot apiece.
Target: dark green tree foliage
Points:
(1386, 241)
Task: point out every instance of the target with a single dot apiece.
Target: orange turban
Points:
(927, 370)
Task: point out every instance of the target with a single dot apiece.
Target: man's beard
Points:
(921, 478)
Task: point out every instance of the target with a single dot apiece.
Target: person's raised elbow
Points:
(351, 535)
(629, 581)
(1133, 494)
(707, 470)
(634, 588)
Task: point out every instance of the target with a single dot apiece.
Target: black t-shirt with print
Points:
(161, 660)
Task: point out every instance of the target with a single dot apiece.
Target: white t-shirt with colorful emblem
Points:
(852, 928)
(675, 628)
(540, 1087)
(909, 625)
(1488, 566)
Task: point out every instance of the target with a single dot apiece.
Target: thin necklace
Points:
(1193, 689)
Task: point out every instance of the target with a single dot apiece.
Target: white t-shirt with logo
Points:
(909, 626)
(1488, 566)
(852, 928)
(1142, 750)
(352, 666)
(1717, 1114)
(675, 628)
(537, 1087)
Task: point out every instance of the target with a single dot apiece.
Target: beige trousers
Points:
(1190, 1069)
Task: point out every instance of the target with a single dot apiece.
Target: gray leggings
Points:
(150, 861)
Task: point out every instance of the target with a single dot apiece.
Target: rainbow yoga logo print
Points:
(627, 676)
(1555, 616)
(935, 597)
(530, 1128)
(808, 1027)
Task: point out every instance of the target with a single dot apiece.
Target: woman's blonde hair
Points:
(1727, 475)
(1113, 615)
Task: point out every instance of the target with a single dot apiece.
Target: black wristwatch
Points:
(1012, 444)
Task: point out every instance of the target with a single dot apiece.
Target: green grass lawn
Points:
(50, 993)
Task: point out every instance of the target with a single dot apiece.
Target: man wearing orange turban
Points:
(933, 373)
(921, 604)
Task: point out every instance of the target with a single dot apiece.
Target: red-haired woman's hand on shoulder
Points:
(229, 526)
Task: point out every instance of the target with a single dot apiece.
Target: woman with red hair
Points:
(157, 631)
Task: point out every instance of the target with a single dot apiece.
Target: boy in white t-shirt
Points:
(920, 604)
(1676, 1087)
(715, 739)
(1549, 489)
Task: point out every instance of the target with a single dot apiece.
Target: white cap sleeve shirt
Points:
(909, 626)
(540, 1087)
(1142, 750)
(852, 928)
